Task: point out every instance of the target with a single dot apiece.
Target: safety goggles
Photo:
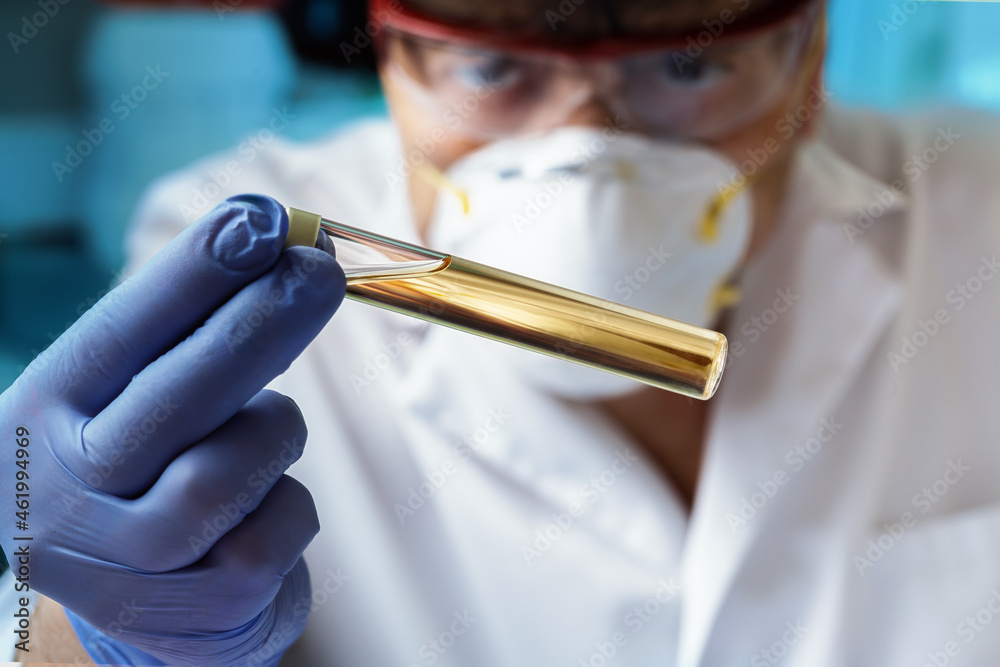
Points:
(698, 86)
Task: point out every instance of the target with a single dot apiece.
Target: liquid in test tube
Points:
(520, 311)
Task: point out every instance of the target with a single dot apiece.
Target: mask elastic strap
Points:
(436, 178)
(726, 293)
(724, 296)
(707, 230)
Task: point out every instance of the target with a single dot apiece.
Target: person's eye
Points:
(493, 71)
(678, 69)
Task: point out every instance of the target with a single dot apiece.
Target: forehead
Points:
(559, 20)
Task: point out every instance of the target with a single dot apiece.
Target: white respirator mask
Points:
(640, 222)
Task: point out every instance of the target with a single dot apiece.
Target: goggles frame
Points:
(800, 18)
(396, 15)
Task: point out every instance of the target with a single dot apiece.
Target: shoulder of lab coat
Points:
(946, 162)
(880, 144)
(341, 177)
(945, 159)
(944, 251)
(908, 425)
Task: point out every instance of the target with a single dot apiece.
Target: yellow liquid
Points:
(513, 309)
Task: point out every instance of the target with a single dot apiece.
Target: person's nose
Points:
(594, 112)
(593, 105)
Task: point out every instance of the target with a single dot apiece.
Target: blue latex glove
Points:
(153, 461)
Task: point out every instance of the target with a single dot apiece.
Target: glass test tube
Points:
(520, 311)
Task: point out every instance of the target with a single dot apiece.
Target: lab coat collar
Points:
(841, 190)
(815, 304)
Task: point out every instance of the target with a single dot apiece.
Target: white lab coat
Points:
(546, 538)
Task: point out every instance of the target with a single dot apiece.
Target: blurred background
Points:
(103, 97)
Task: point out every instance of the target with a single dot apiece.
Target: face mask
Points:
(612, 215)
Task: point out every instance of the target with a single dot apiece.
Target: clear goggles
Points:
(700, 86)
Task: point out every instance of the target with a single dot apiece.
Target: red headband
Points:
(396, 14)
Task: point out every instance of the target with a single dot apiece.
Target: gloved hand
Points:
(145, 463)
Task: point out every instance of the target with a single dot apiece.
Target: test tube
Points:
(506, 307)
